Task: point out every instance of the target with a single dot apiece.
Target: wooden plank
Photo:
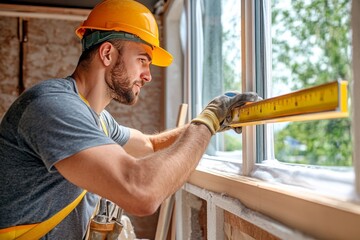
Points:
(70, 14)
(167, 207)
(42, 9)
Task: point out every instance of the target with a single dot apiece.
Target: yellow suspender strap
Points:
(36, 231)
(103, 125)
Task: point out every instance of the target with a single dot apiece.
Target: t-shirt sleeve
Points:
(56, 126)
(118, 133)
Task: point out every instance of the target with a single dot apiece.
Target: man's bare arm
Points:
(139, 185)
(140, 144)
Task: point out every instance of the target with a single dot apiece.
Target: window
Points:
(290, 51)
(311, 46)
(216, 51)
(305, 51)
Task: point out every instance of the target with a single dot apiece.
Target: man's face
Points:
(130, 72)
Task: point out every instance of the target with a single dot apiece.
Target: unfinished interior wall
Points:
(226, 218)
(9, 62)
(51, 49)
(191, 215)
(236, 228)
(32, 51)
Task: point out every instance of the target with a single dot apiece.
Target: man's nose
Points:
(146, 75)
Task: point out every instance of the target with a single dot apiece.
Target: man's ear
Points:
(105, 53)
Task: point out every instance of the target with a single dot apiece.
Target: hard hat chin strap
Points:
(101, 36)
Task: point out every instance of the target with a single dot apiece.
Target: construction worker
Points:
(57, 140)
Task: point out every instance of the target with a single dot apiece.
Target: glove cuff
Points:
(209, 119)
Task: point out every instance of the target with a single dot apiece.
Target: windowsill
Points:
(307, 210)
(333, 182)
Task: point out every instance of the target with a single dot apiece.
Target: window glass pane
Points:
(217, 62)
(311, 46)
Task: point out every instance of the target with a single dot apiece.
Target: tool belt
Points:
(106, 224)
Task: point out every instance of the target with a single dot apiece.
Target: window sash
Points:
(258, 141)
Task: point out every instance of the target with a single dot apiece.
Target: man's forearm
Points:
(167, 138)
(175, 163)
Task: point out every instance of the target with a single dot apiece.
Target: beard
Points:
(120, 85)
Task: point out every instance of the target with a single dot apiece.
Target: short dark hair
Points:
(89, 53)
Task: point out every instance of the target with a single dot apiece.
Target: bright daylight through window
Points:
(311, 46)
(217, 47)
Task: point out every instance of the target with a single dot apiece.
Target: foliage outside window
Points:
(310, 46)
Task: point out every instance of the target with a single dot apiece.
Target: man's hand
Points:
(217, 114)
(242, 100)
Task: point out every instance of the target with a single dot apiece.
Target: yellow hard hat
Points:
(124, 19)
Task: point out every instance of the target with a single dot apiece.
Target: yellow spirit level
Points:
(320, 102)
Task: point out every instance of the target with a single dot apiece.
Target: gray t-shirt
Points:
(47, 123)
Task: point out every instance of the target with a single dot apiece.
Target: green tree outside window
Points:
(311, 45)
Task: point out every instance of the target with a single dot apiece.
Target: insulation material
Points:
(335, 182)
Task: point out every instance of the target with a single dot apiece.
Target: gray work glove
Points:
(242, 99)
(217, 114)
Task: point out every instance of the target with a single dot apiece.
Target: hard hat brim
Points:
(161, 57)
